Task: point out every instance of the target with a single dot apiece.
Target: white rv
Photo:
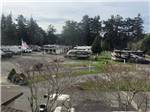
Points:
(80, 52)
(83, 48)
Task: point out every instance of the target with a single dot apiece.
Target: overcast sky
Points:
(54, 12)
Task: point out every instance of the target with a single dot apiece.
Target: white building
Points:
(55, 49)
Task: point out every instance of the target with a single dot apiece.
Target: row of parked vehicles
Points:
(9, 51)
(76, 52)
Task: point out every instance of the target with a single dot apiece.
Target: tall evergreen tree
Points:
(95, 28)
(96, 46)
(8, 27)
(51, 37)
(72, 34)
(85, 25)
(36, 35)
(114, 33)
(22, 29)
(32, 31)
(138, 28)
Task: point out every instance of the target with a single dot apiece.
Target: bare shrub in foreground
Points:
(46, 83)
(128, 86)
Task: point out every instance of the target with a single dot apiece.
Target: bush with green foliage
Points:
(145, 46)
(17, 78)
(11, 74)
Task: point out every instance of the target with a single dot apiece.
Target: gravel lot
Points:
(28, 60)
(24, 61)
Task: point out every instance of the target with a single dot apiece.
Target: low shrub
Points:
(11, 74)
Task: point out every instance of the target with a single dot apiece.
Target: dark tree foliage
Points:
(90, 27)
(22, 29)
(8, 31)
(104, 44)
(51, 37)
(96, 46)
(72, 33)
(85, 28)
(117, 32)
(138, 28)
(95, 28)
(26, 30)
(146, 44)
(114, 34)
(36, 35)
(82, 33)
(134, 28)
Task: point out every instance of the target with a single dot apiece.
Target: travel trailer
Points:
(80, 52)
(83, 48)
(129, 55)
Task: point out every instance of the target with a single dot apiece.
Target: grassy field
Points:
(98, 62)
(139, 85)
(101, 64)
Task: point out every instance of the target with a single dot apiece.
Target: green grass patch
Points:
(99, 66)
(98, 62)
(138, 85)
(84, 72)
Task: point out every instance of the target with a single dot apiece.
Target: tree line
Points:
(13, 32)
(114, 33)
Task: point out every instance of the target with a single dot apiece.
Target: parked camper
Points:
(83, 48)
(80, 52)
(128, 55)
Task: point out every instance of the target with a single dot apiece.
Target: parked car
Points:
(28, 50)
(43, 107)
(15, 49)
(6, 53)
